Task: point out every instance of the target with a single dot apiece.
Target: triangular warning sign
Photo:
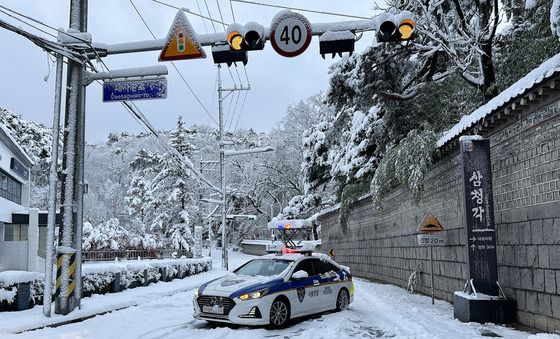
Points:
(181, 41)
(430, 224)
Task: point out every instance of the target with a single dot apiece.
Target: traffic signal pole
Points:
(212, 39)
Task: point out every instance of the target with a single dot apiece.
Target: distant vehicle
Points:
(292, 236)
(273, 289)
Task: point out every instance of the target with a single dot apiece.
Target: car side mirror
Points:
(300, 275)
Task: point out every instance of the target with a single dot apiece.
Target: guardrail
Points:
(110, 255)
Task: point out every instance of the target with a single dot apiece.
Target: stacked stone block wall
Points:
(525, 150)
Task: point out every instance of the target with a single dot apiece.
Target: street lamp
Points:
(228, 153)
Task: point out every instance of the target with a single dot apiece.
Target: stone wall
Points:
(526, 177)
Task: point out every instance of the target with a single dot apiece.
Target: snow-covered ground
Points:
(164, 310)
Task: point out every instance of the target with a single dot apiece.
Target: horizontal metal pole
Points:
(248, 151)
(220, 38)
(127, 73)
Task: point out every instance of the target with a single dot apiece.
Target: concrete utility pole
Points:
(68, 250)
(222, 160)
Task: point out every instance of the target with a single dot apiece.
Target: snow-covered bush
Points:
(97, 282)
(8, 294)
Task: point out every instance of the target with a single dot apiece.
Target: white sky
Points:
(276, 82)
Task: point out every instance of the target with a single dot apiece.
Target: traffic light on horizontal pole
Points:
(336, 43)
(391, 31)
(249, 37)
(223, 54)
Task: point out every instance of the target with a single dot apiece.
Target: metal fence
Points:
(134, 254)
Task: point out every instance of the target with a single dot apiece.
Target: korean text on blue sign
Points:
(143, 89)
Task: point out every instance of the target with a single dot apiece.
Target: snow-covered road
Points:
(378, 311)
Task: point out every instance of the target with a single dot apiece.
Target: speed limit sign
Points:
(290, 33)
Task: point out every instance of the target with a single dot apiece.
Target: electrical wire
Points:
(209, 15)
(220, 11)
(241, 111)
(302, 9)
(232, 13)
(203, 20)
(232, 79)
(81, 59)
(189, 11)
(175, 67)
(26, 23)
(234, 110)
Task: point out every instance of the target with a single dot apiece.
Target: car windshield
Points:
(264, 267)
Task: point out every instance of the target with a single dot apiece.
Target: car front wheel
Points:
(279, 313)
(343, 300)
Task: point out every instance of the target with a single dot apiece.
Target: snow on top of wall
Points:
(8, 278)
(536, 76)
(9, 135)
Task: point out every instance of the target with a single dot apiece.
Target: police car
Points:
(273, 289)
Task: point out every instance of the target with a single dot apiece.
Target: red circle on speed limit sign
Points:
(290, 33)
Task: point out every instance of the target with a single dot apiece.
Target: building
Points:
(19, 224)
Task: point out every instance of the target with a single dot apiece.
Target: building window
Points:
(15, 232)
(10, 188)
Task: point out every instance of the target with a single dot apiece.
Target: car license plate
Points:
(213, 309)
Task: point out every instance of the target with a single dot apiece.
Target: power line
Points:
(188, 11)
(221, 16)
(232, 79)
(208, 10)
(232, 13)
(203, 20)
(25, 22)
(302, 9)
(241, 111)
(175, 66)
(246, 76)
(234, 111)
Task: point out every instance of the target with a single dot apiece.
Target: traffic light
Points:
(235, 37)
(254, 36)
(223, 54)
(246, 38)
(396, 29)
(336, 43)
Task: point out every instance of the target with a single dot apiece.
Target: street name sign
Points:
(138, 89)
(290, 33)
(182, 42)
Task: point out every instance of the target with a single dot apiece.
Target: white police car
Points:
(273, 289)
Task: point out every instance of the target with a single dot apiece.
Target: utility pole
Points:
(221, 98)
(203, 167)
(72, 174)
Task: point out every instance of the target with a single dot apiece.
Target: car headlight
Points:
(196, 293)
(254, 295)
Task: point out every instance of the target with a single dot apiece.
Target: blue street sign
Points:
(143, 89)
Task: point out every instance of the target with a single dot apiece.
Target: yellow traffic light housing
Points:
(235, 40)
(395, 28)
(406, 29)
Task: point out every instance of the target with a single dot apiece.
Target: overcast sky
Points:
(276, 81)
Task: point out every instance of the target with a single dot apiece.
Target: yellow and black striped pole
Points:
(71, 274)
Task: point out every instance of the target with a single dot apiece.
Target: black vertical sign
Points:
(479, 214)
